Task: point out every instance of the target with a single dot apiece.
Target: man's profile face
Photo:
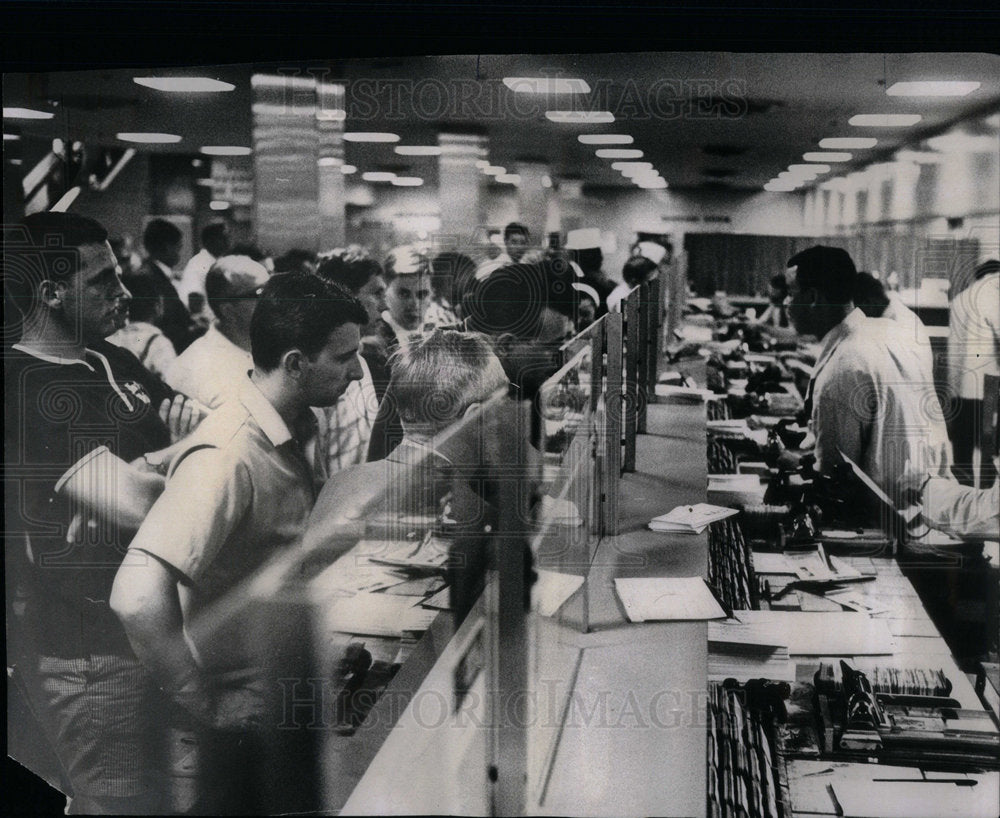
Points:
(372, 296)
(517, 245)
(407, 298)
(333, 368)
(800, 307)
(95, 300)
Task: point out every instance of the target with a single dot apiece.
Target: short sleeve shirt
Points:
(58, 412)
(239, 493)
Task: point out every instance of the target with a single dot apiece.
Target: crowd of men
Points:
(167, 435)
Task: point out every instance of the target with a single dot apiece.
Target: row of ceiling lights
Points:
(643, 174)
(836, 149)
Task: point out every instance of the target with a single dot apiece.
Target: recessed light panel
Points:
(848, 143)
(580, 117)
(184, 85)
(26, 113)
(884, 120)
(931, 88)
(826, 156)
(619, 153)
(149, 138)
(225, 150)
(547, 85)
(417, 150)
(371, 136)
(605, 139)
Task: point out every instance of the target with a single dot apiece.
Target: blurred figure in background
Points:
(140, 335)
(215, 244)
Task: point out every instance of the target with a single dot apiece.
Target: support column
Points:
(460, 187)
(570, 204)
(285, 155)
(330, 121)
(532, 198)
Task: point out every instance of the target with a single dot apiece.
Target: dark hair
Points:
(515, 227)
(294, 261)
(514, 298)
(869, 295)
(214, 233)
(451, 275)
(160, 233)
(987, 267)
(247, 249)
(351, 273)
(145, 300)
(779, 282)
(637, 269)
(44, 247)
(299, 311)
(829, 270)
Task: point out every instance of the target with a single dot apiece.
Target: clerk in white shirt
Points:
(871, 394)
(214, 366)
(214, 245)
(874, 301)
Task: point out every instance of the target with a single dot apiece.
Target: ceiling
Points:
(705, 120)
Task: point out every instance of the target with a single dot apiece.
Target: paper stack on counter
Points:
(818, 566)
(737, 429)
(667, 599)
(735, 489)
(683, 393)
(691, 519)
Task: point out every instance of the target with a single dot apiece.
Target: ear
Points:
(293, 363)
(505, 343)
(50, 293)
(472, 409)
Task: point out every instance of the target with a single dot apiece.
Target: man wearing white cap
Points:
(213, 367)
(584, 246)
(640, 268)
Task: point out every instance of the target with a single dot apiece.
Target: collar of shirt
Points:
(418, 448)
(852, 323)
(169, 273)
(267, 417)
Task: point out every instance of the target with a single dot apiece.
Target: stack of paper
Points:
(744, 651)
(735, 489)
(818, 566)
(691, 519)
(551, 590)
(377, 615)
(683, 393)
(667, 599)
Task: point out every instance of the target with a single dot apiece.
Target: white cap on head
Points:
(586, 238)
(651, 250)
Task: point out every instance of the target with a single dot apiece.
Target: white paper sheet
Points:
(667, 599)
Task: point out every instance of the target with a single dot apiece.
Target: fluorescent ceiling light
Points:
(417, 150)
(653, 184)
(149, 138)
(371, 136)
(494, 170)
(378, 176)
(329, 161)
(184, 85)
(225, 150)
(641, 173)
(619, 153)
(408, 181)
(826, 156)
(580, 117)
(333, 115)
(482, 164)
(206, 182)
(347, 170)
(777, 186)
(812, 170)
(848, 143)
(10, 137)
(884, 120)
(26, 113)
(624, 166)
(605, 139)
(932, 88)
(509, 179)
(546, 85)
(218, 205)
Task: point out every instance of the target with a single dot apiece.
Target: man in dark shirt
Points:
(163, 247)
(81, 416)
